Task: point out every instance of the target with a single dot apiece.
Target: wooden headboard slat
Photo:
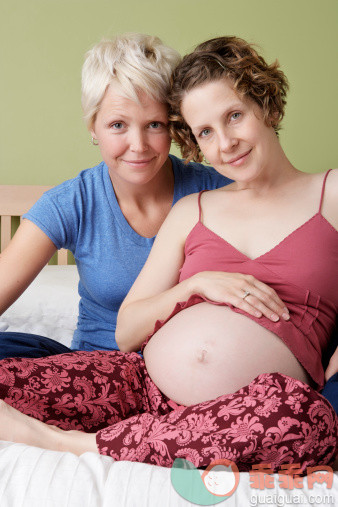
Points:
(62, 257)
(6, 221)
(15, 200)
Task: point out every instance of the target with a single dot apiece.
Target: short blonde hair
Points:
(135, 61)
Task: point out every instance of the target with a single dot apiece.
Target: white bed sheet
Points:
(49, 307)
(32, 477)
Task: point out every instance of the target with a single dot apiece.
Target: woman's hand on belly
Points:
(242, 291)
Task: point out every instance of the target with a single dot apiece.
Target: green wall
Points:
(42, 137)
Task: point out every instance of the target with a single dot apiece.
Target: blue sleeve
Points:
(55, 214)
(193, 177)
(214, 178)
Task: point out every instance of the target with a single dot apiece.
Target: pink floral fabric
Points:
(275, 419)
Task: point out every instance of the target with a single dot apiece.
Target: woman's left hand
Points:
(332, 366)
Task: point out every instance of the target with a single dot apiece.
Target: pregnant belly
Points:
(206, 351)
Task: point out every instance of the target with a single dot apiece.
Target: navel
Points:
(202, 356)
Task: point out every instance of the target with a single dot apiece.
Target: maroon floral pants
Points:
(275, 419)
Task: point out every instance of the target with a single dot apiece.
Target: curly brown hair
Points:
(234, 59)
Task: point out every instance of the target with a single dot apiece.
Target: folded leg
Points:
(85, 391)
(275, 419)
(29, 345)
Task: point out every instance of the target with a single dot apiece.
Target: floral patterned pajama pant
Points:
(275, 419)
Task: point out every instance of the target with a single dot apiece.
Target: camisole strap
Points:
(199, 205)
(323, 190)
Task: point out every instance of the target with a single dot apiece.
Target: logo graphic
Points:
(217, 483)
(220, 480)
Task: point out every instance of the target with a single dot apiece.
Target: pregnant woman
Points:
(240, 285)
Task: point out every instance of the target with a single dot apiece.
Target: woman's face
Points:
(133, 137)
(230, 130)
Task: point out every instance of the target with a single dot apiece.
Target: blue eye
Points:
(157, 125)
(235, 116)
(117, 125)
(204, 133)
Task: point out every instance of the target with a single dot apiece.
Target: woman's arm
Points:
(27, 253)
(156, 290)
(332, 367)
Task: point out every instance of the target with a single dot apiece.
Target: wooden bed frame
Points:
(15, 200)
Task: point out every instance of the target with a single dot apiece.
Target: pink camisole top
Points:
(302, 269)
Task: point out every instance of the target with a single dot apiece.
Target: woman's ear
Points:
(93, 134)
(273, 119)
(92, 131)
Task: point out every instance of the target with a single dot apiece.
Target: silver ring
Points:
(246, 294)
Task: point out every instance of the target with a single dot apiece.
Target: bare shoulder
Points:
(332, 179)
(216, 197)
(185, 208)
(316, 180)
(182, 217)
(330, 200)
(187, 202)
(331, 189)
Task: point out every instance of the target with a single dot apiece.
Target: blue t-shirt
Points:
(83, 215)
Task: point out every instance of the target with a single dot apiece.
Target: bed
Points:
(33, 477)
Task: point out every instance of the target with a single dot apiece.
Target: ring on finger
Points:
(246, 294)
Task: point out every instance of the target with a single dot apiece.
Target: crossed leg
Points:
(76, 394)
(110, 398)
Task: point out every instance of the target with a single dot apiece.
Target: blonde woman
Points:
(111, 213)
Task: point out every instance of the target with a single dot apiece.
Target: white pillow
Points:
(49, 307)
